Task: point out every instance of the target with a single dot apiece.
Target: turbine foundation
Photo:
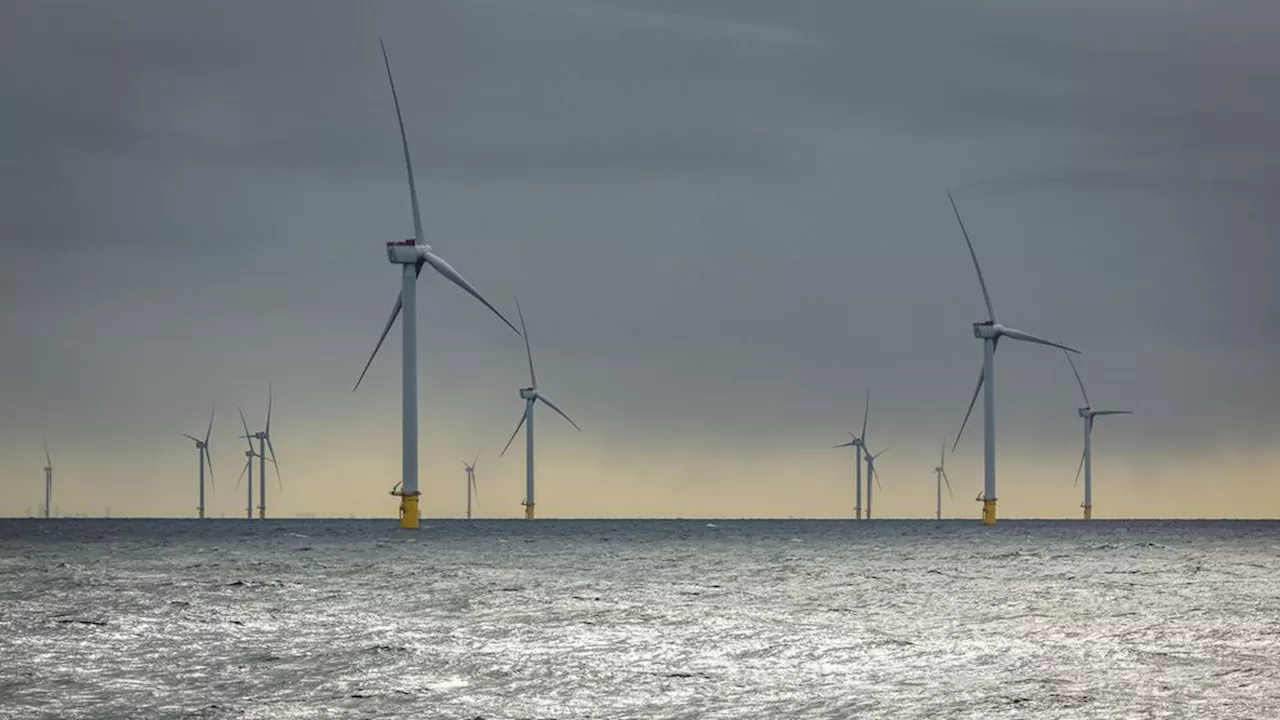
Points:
(262, 513)
(528, 511)
(408, 509)
(857, 513)
(1088, 512)
(989, 512)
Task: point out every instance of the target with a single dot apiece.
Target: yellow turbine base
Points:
(1088, 513)
(201, 513)
(528, 511)
(262, 513)
(408, 510)
(988, 512)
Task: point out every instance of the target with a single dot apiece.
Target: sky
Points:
(725, 220)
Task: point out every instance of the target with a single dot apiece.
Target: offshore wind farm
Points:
(733, 223)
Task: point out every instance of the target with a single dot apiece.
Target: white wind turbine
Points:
(472, 490)
(940, 474)
(1086, 458)
(531, 397)
(990, 332)
(48, 480)
(248, 468)
(411, 255)
(855, 442)
(202, 446)
(265, 446)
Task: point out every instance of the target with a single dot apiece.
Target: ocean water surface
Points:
(639, 619)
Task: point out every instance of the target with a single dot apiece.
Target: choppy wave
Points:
(731, 619)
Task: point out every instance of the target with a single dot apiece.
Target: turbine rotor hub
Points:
(986, 330)
(1085, 412)
(528, 393)
(406, 252)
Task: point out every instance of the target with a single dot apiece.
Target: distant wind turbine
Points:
(411, 255)
(472, 490)
(531, 397)
(1086, 458)
(940, 474)
(48, 480)
(990, 332)
(202, 446)
(855, 442)
(264, 447)
(248, 468)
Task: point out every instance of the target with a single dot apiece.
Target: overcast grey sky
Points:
(725, 221)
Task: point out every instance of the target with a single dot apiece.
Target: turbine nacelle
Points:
(528, 393)
(1085, 412)
(987, 330)
(407, 252)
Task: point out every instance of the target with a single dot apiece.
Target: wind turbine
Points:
(940, 475)
(264, 446)
(248, 467)
(411, 255)
(872, 475)
(1086, 458)
(855, 442)
(989, 332)
(48, 480)
(531, 396)
(202, 446)
(471, 483)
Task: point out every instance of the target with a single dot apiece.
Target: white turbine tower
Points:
(202, 446)
(1086, 458)
(472, 490)
(264, 447)
(531, 397)
(855, 442)
(940, 475)
(990, 332)
(48, 480)
(411, 255)
(873, 477)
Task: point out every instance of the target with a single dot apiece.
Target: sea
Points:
(495, 619)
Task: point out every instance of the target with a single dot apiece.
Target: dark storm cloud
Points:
(725, 219)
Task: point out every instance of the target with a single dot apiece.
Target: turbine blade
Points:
(942, 457)
(271, 448)
(395, 312)
(243, 471)
(876, 474)
(246, 429)
(553, 407)
(516, 432)
(1028, 337)
(533, 379)
(848, 444)
(208, 458)
(986, 297)
(947, 480)
(267, 431)
(447, 270)
(866, 412)
(475, 460)
(973, 401)
(404, 142)
(1078, 380)
(475, 489)
(190, 438)
(1112, 412)
(209, 431)
(47, 460)
(1079, 470)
